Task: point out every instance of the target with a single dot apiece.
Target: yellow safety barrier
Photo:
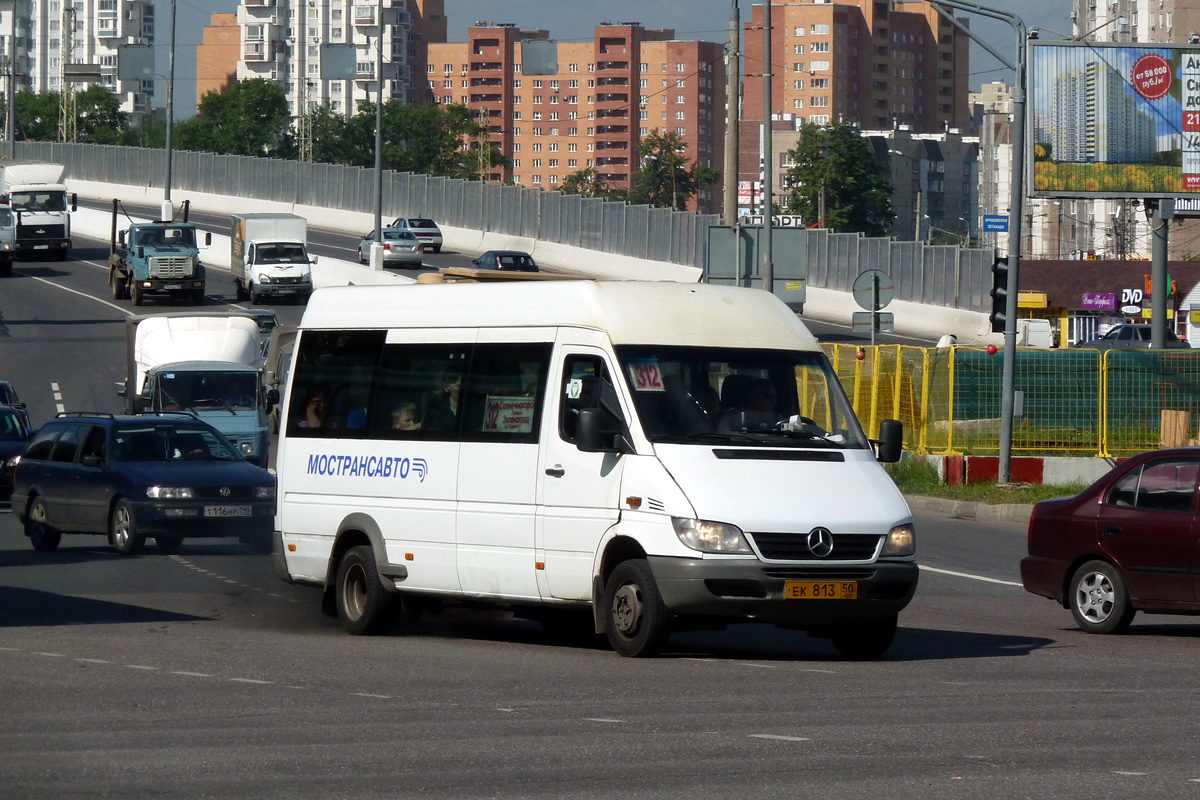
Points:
(1066, 402)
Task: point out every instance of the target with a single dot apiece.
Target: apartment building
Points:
(995, 97)
(872, 62)
(34, 34)
(280, 41)
(608, 93)
(217, 55)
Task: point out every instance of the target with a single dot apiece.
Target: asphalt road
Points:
(201, 674)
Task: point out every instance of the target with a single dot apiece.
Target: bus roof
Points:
(630, 312)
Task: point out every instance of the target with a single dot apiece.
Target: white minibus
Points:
(658, 455)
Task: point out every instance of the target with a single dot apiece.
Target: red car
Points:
(1129, 542)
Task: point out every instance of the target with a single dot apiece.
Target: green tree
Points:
(428, 138)
(664, 178)
(839, 163)
(150, 131)
(586, 182)
(37, 116)
(99, 115)
(249, 118)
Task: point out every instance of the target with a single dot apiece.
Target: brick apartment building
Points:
(875, 63)
(607, 94)
(217, 55)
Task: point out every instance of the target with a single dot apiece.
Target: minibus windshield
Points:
(711, 395)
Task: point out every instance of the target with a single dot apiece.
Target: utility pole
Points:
(378, 127)
(917, 230)
(732, 104)
(168, 212)
(768, 267)
(303, 119)
(67, 119)
(10, 52)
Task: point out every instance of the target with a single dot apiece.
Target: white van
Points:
(657, 455)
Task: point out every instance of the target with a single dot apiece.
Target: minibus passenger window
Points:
(417, 392)
(332, 383)
(505, 387)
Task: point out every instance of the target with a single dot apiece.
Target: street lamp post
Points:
(168, 212)
(378, 129)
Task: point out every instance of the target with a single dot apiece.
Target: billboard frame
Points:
(1039, 84)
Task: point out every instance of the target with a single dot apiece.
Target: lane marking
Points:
(822, 671)
(779, 738)
(191, 674)
(49, 655)
(93, 660)
(60, 408)
(756, 666)
(971, 577)
(142, 666)
(602, 719)
(372, 696)
(58, 395)
(54, 386)
(11, 649)
(1135, 774)
(124, 311)
(251, 680)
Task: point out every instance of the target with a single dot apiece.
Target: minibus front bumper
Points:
(754, 591)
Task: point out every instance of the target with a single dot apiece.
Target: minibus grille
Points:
(794, 546)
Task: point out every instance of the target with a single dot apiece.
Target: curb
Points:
(964, 509)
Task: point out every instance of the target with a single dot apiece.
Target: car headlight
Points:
(710, 537)
(12, 462)
(901, 541)
(247, 448)
(264, 493)
(169, 492)
(264, 278)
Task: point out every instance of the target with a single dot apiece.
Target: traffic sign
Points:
(873, 289)
(995, 223)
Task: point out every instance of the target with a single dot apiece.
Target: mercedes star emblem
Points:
(820, 542)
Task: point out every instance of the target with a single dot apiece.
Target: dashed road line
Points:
(191, 674)
(251, 680)
(604, 720)
(756, 666)
(50, 655)
(372, 696)
(143, 666)
(777, 738)
(93, 660)
(1133, 774)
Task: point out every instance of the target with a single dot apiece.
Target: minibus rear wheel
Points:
(639, 622)
(363, 606)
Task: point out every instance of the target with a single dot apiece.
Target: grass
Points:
(914, 476)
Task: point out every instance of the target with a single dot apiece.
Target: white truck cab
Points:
(656, 455)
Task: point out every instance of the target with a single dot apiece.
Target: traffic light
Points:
(999, 315)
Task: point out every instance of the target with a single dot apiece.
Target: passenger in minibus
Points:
(441, 416)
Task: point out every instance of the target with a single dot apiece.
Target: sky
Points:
(574, 20)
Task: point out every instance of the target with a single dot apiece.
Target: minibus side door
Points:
(578, 501)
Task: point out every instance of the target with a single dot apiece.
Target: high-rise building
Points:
(217, 55)
(281, 42)
(877, 64)
(33, 33)
(607, 94)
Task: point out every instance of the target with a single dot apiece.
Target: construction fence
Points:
(1067, 402)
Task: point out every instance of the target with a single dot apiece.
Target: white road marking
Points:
(192, 674)
(756, 666)
(1119, 772)
(11, 649)
(60, 408)
(779, 738)
(124, 311)
(822, 671)
(372, 696)
(602, 719)
(142, 666)
(54, 387)
(50, 655)
(251, 680)
(58, 395)
(93, 660)
(970, 576)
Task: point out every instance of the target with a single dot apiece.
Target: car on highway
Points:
(1125, 544)
(511, 260)
(8, 396)
(1131, 336)
(14, 436)
(426, 231)
(166, 476)
(400, 246)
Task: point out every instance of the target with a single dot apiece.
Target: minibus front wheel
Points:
(363, 606)
(639, 622)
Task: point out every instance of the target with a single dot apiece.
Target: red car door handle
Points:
(1112, 530)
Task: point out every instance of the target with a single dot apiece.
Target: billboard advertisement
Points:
(1113, 120)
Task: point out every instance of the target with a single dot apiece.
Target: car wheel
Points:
(639, 623)
(118, 287)
(361, 258)
(122, 530)
(43, 538)
(168, 544)
(363, 606)
(239, 291)
(863, 642)
(255, 296)
(135, 293)
(1099, 599)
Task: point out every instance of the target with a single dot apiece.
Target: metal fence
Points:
(676, 237)
(1068, 402)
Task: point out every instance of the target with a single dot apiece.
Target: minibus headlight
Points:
(169, 492)
(710, 537)
(901, 541)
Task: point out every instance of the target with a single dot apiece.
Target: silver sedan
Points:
(399, 247)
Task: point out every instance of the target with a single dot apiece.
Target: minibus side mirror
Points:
(891, 441)
(272, 398)
(593, 432)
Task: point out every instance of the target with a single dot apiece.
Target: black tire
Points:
(118, 287)
(122, 530)
(865, 642)
(363, 605)
(361, 260)
(168, 544)
(239, 291)
(639, 623)
(43, 538)
(6, 268)
(135, 293)
(197, 297)
(1099, 599)
(437, 248)
(256, 297)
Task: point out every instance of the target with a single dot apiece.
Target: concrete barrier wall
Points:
(824, 305)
